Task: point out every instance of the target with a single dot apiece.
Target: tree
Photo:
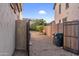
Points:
(38, 24)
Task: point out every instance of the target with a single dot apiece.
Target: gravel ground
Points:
(41, 45)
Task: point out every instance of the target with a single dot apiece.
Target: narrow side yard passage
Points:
(41, 45)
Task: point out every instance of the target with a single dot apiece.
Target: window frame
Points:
(67, 5)
(59, 8)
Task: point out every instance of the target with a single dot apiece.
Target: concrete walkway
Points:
(19, 53)
(41, 45)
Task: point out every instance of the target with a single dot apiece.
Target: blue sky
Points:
(38, 10)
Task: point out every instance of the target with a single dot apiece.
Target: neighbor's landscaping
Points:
(37, 25)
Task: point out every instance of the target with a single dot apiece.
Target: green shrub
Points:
(33, 27)
(38, 25)
(39, 28)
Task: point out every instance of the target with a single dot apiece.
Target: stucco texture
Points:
(7, 29)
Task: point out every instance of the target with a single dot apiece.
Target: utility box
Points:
(22, 35)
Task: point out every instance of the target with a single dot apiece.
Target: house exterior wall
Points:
(7, 29)
(72, 13)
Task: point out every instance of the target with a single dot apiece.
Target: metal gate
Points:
(71, 36)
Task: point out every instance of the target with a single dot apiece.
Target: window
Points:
(59, 8)
(59, 21)
(67, 5)
(64, 19)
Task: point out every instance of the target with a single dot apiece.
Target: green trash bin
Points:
(58, 39)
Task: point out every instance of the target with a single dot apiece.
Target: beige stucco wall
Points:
(72, 13)
(7, 29)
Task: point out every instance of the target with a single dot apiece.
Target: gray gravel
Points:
(41, 45)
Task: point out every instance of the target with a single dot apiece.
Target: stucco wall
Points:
(7, 30)
(72, 13)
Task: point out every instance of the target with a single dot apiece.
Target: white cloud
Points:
(42, 12)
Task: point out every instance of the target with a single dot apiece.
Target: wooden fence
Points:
(22, 35)
(52, 28)
(70, 30)
(49, 30)
(71, 36)
(60, 27)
